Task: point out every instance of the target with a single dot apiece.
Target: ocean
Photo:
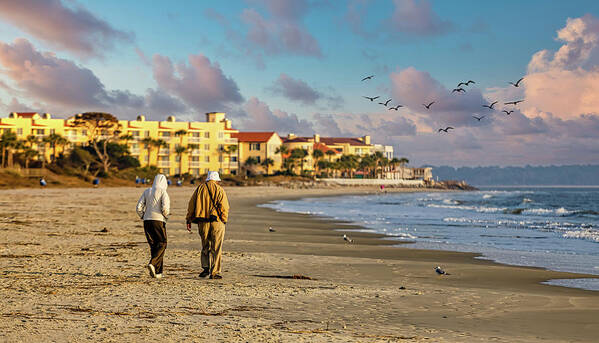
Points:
(550, 227)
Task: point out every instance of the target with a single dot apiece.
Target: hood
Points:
(160, 182)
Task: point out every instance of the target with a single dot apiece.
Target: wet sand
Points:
(63, 279)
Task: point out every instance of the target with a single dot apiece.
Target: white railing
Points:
(193, 139)
(162, 164)
(194, 164)
(163, 152)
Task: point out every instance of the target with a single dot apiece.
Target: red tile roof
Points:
(341, 140)
(252, 136)
(25, 114)
(323, 148)
(296, 140)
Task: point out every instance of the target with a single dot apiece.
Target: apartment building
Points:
(260, 146)
(186, 147)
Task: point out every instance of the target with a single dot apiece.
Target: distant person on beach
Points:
(43, 182)
(209, 208)
(96, 182)
(154, 208)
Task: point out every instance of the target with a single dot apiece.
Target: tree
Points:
(267, 163)
(317, 154)
(181, 133)
(299, 154)
(322, 164)
(7, 141)
(250, 162)
(83, 157)
(231, 149)
(282, 150)
(149, 143)
(180, 150)
(55, 140)
(27, 155)
(101, 129)
(330, 153)
(402, 162)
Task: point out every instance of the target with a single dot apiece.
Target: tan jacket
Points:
(200, 205)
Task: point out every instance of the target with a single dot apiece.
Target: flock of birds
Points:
(459, 89)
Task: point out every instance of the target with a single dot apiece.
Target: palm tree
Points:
(231, 149)
(268, 162)
(250, 162)
(300, 154)
(282, 150)
(181, 133)
(149, 142)
(7, 141)
(28, 154)
(317, 154)
(55, 140)
(330, 153)
(322, 164)
(180, 150)
(402, 162)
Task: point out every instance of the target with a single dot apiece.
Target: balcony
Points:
(134, 151)
(194, 164)
(195, 152)
(193, 139)
(232, 164)
(163, 152)
(163, 164)
(231, 141)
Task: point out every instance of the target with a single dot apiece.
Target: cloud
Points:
(256, 115)
(201, 84)
(74, 29)
(413, 88)
(299, 91)
(414, 17)
(383, 127)
(15, 106)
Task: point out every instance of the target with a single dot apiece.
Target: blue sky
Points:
(444, 42)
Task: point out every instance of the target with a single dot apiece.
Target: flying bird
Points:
(478, 118)
(491, 106)
(385, 103)
(517, 84)
(508, 112)
(372, 98)
(458, 90)
(368, 78)
(347, 239)
(514, 102)
(465, 83)
(428, 107)
(395, 108)
(446, 129)
(270, 229)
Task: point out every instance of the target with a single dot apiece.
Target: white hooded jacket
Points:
(154, 203)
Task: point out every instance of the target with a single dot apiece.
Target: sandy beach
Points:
(73, 262)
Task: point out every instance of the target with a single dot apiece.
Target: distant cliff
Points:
(529, 175)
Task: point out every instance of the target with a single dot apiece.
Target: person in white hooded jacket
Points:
(154, 208)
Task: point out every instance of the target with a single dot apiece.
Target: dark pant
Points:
(156, 236)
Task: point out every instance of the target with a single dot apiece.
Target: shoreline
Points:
(388, 239)
(66, 279)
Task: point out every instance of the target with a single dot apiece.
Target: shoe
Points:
(205, 272)
(216, 277)
(159, 276)
(152, 270)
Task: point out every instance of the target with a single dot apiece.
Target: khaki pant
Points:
(156, 236)
(212, 235)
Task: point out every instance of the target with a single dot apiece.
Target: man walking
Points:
(209, 208)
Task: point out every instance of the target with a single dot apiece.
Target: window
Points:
(221, 135)
(206, 146)
(207, 159)
(84, 132)
(206, 170)
(258, 159)
(255, 146)
(221, 147)
(194, 134)
(135, 134)
(19, 132)
(206, 134)
(220, 158)
(39, 132)
(233, 158)
(147, 134)
(164, 134)
(52, 131)
(195, 159)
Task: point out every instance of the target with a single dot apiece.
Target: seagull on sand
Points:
(440, 271)
(270, 229)
(347, 239)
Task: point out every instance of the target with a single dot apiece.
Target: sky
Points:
(295, 66)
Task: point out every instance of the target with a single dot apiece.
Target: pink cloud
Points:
(201, 84)
(417, 18)
(74, 29)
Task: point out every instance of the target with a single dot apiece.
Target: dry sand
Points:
(63, 279)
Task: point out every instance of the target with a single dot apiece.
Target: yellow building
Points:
(206, 142)
(260, 146)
